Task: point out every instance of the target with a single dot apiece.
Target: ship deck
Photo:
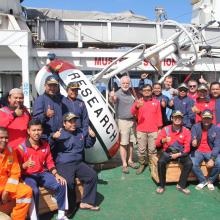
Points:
(133, 197)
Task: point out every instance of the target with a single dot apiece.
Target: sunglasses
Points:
(183, 90)
(192, 86)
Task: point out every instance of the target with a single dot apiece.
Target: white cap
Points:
(16, 91)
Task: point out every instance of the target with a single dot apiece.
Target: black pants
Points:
(86, 175)
(164, 160)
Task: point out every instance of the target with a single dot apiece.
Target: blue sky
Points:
(179, 10)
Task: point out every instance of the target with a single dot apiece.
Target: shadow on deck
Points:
(132, 197)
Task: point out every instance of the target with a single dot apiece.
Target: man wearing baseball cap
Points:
(69, 143)
(48, 107)
(202, 102)
(175, 142)
(184, 104)
(75, 105)
(205, 142)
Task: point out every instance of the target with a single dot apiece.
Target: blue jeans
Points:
(197, 159)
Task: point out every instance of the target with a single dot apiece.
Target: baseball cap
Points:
(177, 113)
(183, 85)
(68, 116)
(202, 87)
(51, 80)
(73, 85)
(207, 114)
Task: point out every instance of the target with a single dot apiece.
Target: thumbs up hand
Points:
(91, 132)
(202, 80)
(194, 142)
(144, 75)
(57, 134)
(163, 103)
(195, 110)
(50, 112)
(171, 103)
(167, 139)
(19, 111)
(112, 93)
(28, 163)
(112, 96)
(140, 103)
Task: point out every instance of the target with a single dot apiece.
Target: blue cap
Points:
(52, 79)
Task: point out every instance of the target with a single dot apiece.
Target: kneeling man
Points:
(175, 140)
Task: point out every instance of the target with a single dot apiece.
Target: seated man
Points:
(175, 140)
(10, 187)
(206, 147)
(35, 156)
(68, 153)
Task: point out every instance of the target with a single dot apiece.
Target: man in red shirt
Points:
(206, 147)
(175, 141)
(15, 118)
(35, 157)
(203, 102)
(149, 121)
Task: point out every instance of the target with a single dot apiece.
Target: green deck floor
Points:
(132, 197)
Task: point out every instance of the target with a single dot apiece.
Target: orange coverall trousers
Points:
(22, 198)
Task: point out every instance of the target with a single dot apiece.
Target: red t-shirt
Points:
(204, 147)
(192, 96)
(149, 115)
(203, 105)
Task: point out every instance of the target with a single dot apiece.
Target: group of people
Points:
(184, 122)
(46, 149)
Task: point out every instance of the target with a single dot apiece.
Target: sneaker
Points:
(201, 185)
(210, 186)
(125, 170)
(63, 218)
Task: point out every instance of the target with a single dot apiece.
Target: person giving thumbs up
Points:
(50, 112)
(29, 163)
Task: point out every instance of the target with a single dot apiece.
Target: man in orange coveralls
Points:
(10, 188)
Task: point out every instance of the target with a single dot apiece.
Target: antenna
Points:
(160, 14)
